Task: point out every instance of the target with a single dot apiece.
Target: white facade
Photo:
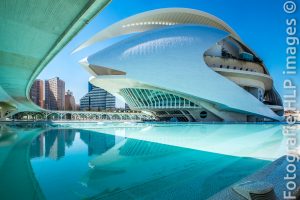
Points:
(186, 70)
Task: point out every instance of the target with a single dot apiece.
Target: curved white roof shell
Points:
(159, 58)
(156, 19)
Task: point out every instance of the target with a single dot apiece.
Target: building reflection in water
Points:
(97, 143)
(53, 143)
(37, 147)
(69, 137)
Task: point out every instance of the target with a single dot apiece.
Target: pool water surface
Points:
(130, 161)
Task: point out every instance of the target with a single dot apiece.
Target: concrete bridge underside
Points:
(32, 33)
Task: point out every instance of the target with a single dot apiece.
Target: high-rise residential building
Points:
(55, 94)
(69, 101)
(37, 92)
(97, 99)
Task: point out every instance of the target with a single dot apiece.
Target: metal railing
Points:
(82, 116)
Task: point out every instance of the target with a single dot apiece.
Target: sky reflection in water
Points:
(129, 161)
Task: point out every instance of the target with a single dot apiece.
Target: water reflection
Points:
(17, 178)
(37, 146)
(97, 143)
(53, 143)
(114, 167)
(129, 161)
(263, 141)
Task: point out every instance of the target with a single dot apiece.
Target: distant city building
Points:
(55, 94)
(97, 99)
(77, 107)
(69, 101)
(127, 106)
(37, 93)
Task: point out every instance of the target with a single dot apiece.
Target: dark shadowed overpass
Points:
(31, 33)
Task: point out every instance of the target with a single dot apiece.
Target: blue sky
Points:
(260, 23)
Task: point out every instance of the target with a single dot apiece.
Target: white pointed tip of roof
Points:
(76, 50)
(82, 46)
(155, 19)
(91, 78)
(85, 64)
(84, 61)
(87, 43)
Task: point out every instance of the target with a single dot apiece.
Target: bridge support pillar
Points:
(2, 113)
(4, 108)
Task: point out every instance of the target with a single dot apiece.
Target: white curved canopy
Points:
(156, 19)
(159, 58)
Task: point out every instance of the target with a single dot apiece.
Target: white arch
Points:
(156, 19)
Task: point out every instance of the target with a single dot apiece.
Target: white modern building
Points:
(183, 65)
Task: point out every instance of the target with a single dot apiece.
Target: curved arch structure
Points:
(157, 19)
(186, 72)
(32, 33)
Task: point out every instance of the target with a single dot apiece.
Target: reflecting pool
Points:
(131, 160)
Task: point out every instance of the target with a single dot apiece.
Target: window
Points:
(227, 67)
(203, 114)
(221, 66)
(241, 68)
(234, 67)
